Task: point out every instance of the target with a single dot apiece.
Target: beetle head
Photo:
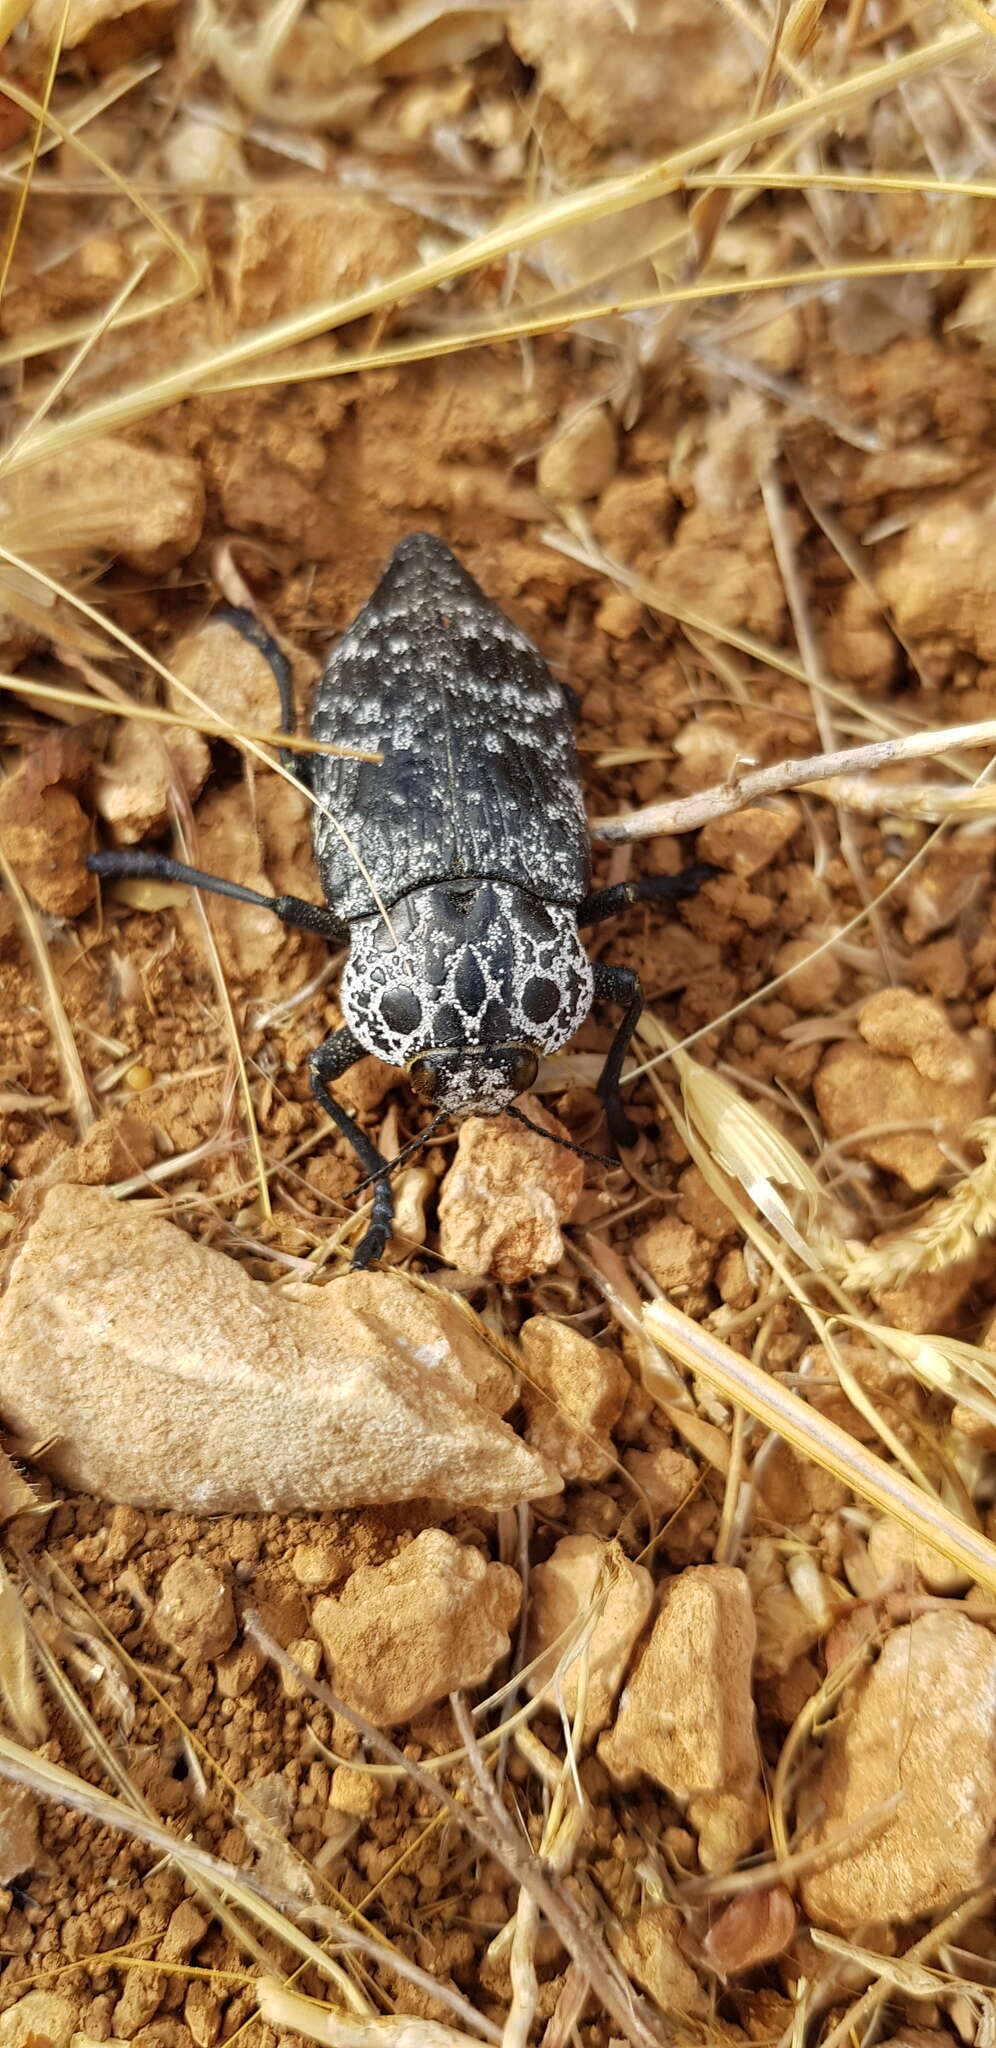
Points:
(479, 1081)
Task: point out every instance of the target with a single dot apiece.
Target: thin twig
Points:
(687, 813)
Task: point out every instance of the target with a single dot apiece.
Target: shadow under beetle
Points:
(457, 869)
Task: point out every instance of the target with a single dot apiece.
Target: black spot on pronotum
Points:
(468, 985)
(540, 999)
(401, 1009)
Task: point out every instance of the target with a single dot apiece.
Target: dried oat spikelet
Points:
(949, 1230)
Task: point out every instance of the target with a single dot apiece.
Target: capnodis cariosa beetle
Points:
(457, 869)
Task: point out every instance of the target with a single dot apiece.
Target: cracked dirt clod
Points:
(686, 1717)
(909, 1068)
(573, 1392)
(237, 1398)
(432, 1621)
(506, 1195)
(919, 1723)
(564, 1592)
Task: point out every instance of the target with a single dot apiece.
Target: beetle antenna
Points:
(600, 1158)
(405, 1153)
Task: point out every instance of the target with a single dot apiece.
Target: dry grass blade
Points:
(152, 714)
(19, 1689)
(597, 201)
(815, 1436)
(53, 1781)
(319, 2023)
(71, 1066)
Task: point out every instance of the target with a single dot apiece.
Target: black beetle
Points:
(458, 868)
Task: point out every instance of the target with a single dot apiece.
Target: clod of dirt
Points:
(655, 77)
(40, 2016)
(132, 785)
(749, 840)
(151, 504)
(432, 1621)
(899, 1558)
(677, 1257)
(586, 1576)
(648, 1949)
(266, 847)
(911, 1068)
(686, 1717)
(295, 252)
(237, 1398)
(920, 1723)
(573, 1393)
(940, 577)
(195, 1612)
(751, 1930)
(45, 835)
(812, 983)
(505, 1196)
(18, 1831)
(228, 674)
(581, 459)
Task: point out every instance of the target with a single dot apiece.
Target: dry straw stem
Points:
(686, 814)
(593, 202)
(55, 693)
(319, 2023)
(52, 1781)
(746, 1385)
(494, 1832)
(70, 1065)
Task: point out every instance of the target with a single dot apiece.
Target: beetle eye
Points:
(424, 1079)
(524, 1072)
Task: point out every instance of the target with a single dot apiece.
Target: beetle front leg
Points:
(333, 1057)
(603, 903)
(618, 985)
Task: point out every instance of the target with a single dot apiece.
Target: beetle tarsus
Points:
(618, 985)
(333, 1057)
(603, 903)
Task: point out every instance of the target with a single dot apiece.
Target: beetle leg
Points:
(603, 903)
(247, 624)
(330, 1059)
(618, 985)
(158, 867)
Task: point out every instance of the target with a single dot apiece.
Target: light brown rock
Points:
(580, 460)
(940, 576)
(667, 1476)
(194, 1612)
(921, 1722)
(432, 1621)
(297, 251)
(812, 984)
(239, 1398)
(648, 1949)
(747, 841)
(910, 1068)
(40, 2015)
(917, 1028)
(45, 834)
(582, 1391)
(901, 1559)
(506, 1195)
(677, 1257)
(686, 1717)
(656, 76)
(228, 674)
(146, 507)
(18, 1831)
(133, 783)
(582, 1574)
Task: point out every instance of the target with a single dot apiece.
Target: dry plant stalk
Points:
(686, 814)
(746, 1385)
